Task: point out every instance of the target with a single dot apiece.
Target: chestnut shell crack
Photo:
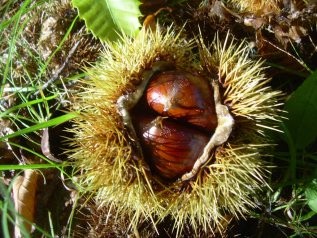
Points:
(221, 135)
(169, 158)
(128, 101)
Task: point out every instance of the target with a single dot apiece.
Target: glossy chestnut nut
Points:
(184, 96)
(171, 148)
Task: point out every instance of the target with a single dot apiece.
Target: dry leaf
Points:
(45, 146)
(24, 190)
(255, 22)
(219, 10)
(297, 33)
(281, 36)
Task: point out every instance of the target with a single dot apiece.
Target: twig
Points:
(59, 71)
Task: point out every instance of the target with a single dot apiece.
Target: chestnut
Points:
(185, 96)
(119, 134)
(181, 121)
(173, 145)
(170, 147)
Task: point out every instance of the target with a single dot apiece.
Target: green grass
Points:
(33, 108)
(292, 202)
(8, 215)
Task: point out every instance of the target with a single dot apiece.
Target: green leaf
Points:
(107, 18)
(302, 113)
(311, 195)
(307, 216)
(6, 167)
(24, 105)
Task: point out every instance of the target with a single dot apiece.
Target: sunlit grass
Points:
(33, 108)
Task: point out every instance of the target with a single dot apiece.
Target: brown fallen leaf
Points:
(219, 10)
(296, 33)
(46, 148)
(24, 190)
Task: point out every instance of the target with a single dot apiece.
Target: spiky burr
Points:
(110, 155)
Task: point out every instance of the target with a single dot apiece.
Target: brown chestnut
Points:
(170, 147)
(185, 96)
